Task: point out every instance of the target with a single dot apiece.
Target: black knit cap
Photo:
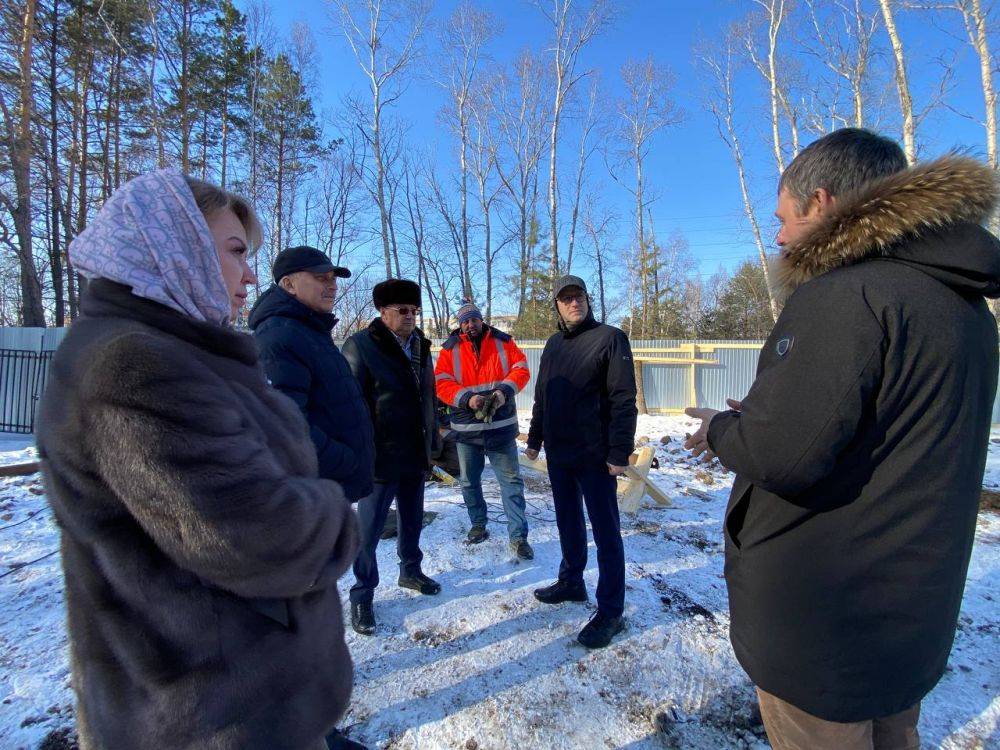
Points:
(305, 258)
(396, 292)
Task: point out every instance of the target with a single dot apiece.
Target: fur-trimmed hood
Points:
(905, 216)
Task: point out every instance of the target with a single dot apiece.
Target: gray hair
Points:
(840, 162)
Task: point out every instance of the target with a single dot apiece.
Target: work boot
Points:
(522, 549)
(477, 534)
(363, 618)
(337, 740)
(421, 583)
(560, 591)
(599, 631)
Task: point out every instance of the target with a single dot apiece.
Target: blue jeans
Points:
(503, 461)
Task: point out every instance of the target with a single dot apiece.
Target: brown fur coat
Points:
(199, 548)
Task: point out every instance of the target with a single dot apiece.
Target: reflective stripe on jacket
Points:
(461, 373)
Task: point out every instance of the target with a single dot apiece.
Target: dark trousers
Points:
(408, 490)
(598, 490)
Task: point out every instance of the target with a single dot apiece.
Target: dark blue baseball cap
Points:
(305, 258)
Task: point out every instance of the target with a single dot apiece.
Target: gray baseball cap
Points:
(569, 280)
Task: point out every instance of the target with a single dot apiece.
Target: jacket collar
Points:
(905, 205)
(109, 299)
(277, 302)
(585, 325)
(387, 340)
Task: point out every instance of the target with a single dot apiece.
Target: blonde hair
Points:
(211, 199)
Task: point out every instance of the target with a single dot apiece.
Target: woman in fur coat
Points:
(200, 550)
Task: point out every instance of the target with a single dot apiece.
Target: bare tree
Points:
(16, 135)
(384, 39)
(587, 148)
(467, 31)
(484, 159)
(773, 16)
(520, 114)
(597, 226)
(975, 18)
(573, 28)
(902, 81)
(646, 108)
(720, 103)
(843, 37)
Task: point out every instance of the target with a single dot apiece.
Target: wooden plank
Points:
(636, 487)
(651, 489)
(675, 361)
(538, 464)
(20, 470)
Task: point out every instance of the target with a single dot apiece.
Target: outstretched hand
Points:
(698, 442)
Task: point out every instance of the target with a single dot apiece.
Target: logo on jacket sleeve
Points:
(784, 345)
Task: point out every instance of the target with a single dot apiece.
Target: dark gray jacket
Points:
(200, 549)
(861, 446)
(402, 403)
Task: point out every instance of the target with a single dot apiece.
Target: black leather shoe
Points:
(560, 591)
(363, 618)
(600, 630)
(522, 549)
(421, 583)
(477, 534)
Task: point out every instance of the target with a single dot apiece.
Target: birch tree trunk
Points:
(902, 84)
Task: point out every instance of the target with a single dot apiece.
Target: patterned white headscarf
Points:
(151, 236)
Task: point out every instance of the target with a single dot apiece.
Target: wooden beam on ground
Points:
(20, 470)
(651, 489)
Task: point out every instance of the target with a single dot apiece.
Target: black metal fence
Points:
(22, 381)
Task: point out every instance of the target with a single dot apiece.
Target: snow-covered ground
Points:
(484, 665)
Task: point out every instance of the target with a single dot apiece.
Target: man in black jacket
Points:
(292, 323)
(585, 414)
(392, 361)
(860, 448)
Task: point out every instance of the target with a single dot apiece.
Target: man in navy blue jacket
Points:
(292, 322)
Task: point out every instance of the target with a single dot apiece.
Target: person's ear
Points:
(821, 201)
(287, 284)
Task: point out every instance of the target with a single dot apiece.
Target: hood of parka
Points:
(928, 216)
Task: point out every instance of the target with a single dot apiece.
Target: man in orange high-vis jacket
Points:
(479, 364)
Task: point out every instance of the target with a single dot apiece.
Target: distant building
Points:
(503, 323)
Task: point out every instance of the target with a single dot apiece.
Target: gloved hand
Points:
(500, 398)
(489, 407)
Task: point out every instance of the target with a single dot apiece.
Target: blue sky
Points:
(690, 168)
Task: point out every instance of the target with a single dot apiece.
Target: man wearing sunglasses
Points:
(392, 361)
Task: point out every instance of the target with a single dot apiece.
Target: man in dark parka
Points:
(392, 361)
(585, 414)
(860, 448)
(292, 322)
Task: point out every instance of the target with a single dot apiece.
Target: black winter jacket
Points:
(302, 362)
(200, 550)
(861, 445)
(584, 411)
(402, 409)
